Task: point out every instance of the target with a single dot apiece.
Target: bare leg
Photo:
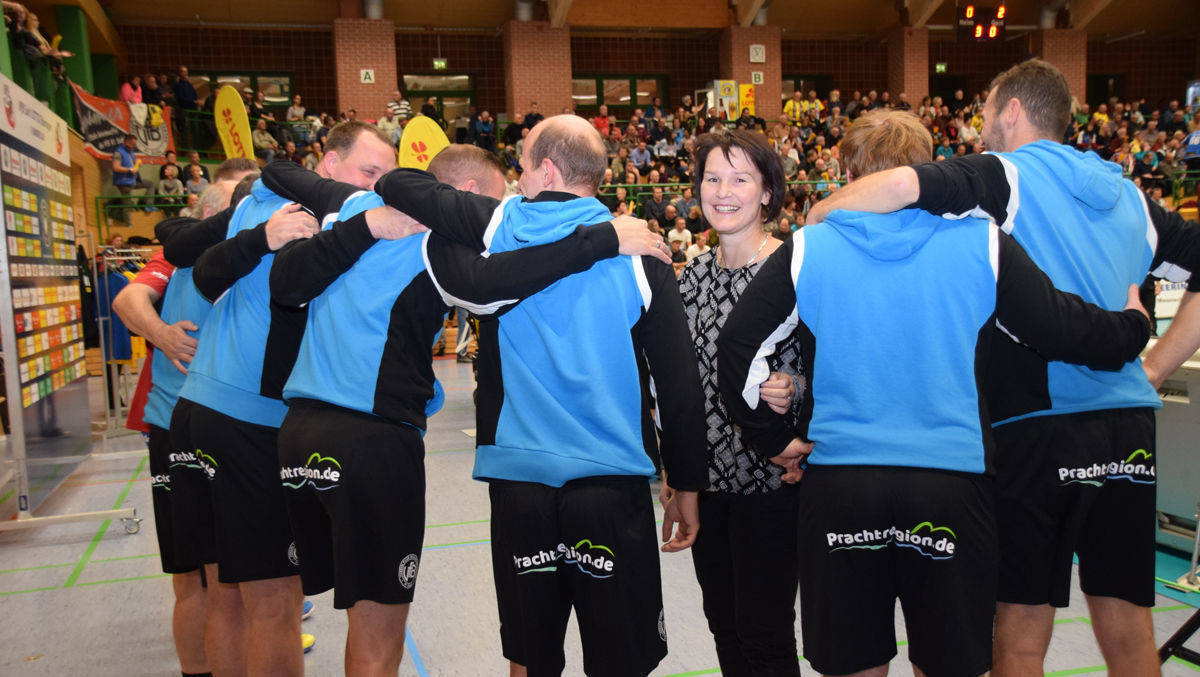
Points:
(878, 671)
(187, 622)
(1022, 637)
(1126, 636)
(375, 639)
(273, 626)
(224, 627)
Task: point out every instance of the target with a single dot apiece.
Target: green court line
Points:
(118, 559)
(456, 524)
(7, 495)
(87, 554)
(19, 592)
(1077, 671)
(125, 580)
(37, 568)
(1180, 661)
(446, 545)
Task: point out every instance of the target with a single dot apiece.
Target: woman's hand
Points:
(778, 391)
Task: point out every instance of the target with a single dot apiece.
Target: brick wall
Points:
(359, 44)
(1153, 68)
(306, 54)
(480, 56)
(537, 66)
(734, 64)
(688, 63)
(851, 64)
(908, 62)
(1067, 50)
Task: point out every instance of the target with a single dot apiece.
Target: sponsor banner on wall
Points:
(104, 124)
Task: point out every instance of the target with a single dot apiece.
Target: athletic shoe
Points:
(307, 641)
(306, 610)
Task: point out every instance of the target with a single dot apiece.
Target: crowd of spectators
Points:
(25, 34)
(650, 152)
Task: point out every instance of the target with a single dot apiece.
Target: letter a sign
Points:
(366, 76)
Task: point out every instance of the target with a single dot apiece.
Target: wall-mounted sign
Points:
(756, 77)
(366, 76)
(758, 53)
(439, 63)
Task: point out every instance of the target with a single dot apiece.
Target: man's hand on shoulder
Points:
(388, 223)
(289, 223)
(635, 238)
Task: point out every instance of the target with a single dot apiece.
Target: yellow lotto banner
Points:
(422, 140)
(233, 125)
(746, 99)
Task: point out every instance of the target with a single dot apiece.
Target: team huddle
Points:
(949, 430)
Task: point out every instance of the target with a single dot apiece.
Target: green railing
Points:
(106, 205)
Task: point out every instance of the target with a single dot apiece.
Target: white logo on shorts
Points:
(662, 625)
(408, 571)
(292, 556)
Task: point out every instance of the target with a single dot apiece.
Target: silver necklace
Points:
(757, 252)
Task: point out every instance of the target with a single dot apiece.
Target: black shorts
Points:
(870, 536)
(253, 536)
(591, 545)
(355, 487)
(1077, 484)
(162, 496)
(191, 494)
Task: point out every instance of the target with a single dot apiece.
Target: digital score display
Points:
(981, 24)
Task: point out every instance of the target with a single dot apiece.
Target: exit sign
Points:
(439, 64)
(939, 67)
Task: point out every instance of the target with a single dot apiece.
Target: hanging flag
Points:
(104, 124)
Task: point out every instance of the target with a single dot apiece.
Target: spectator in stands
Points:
(388, 124)
(600, 121)
(125, 166)
(185, 93)
(654, 208)
(196, 182)
(170, 160)
(485, 131)
(679, 232)
(533, 116)
(131, 90)
(642, 158)
(194, 161)
(430, 110)
(192, 209)
(685, 202)
(695, 220)
(265, 145)
(170, 187)
(513, 132)
(151, 93)
(400, 108)
(655, 110)
(296, 116)
(699, 246)
(313, 159)
(258, 107)
(290, 154)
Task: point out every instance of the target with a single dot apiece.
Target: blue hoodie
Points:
(874, 394)
(1088, 229)
(571, 407)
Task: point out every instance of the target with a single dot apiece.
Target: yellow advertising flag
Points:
(746, 99)
(233, 125)
(422, 140)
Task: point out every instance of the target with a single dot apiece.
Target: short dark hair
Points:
(234, 165)
(756, 148)
(1043, 92)
(578, 155)
(343, 136)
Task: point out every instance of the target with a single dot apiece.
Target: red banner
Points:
(104, 124)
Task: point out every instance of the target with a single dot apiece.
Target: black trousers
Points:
(746, 562)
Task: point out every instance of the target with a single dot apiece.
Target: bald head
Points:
(563, 153)
(215, 198)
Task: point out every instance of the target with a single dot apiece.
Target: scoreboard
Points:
(981, 24)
